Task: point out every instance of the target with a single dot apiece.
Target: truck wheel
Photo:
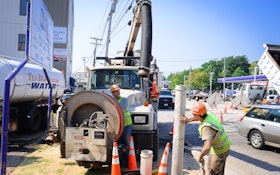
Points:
(32, 123)
(62, 149)
(44, 115)
(155, 146)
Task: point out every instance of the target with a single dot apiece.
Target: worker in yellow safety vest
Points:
(124, 139)
(214, 138)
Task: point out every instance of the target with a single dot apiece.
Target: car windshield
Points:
(104, 79)
(165, 93)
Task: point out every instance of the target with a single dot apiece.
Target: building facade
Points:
(13, 27)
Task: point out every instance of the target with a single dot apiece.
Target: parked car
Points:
(261, 126)
(200, 96)
(166, 99)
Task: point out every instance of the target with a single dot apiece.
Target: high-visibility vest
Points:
(126, 113)
(220, 143)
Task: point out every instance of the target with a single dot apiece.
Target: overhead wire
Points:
(102, 19)
(116, 22)
(122, 14)
(98, 30)
(182, 61)
(97, 33)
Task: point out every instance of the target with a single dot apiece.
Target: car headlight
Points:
(140, 119)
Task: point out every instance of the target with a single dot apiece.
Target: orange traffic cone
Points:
(221, 120)
(154, 92)
(132, 165)
(172, 130)
(115, 169)
(225, 109)
(162, 170)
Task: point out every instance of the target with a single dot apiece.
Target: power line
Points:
(182, 61)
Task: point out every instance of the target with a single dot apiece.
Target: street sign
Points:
(40, 35)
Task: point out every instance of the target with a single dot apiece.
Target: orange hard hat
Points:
(198, 109)
(115, 87)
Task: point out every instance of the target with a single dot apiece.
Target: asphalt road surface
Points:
(243, 159)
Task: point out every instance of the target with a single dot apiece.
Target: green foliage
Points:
(199, 78)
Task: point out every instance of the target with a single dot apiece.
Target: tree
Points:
(238, 72)
(252, 68)
(199, 79)
(175, 80)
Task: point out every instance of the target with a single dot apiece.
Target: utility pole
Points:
(255, 72)
(190, 82)
(224, 82)
(84, 60)
(113, 9)
(94, 52)
(211, 77)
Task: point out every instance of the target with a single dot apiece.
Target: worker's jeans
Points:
(123, 142)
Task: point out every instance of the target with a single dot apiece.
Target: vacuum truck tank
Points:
(29, 93)
(89, 123)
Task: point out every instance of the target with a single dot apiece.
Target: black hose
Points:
(146, 40)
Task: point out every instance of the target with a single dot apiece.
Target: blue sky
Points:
(185, 32)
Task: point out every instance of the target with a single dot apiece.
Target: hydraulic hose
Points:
(146, 40)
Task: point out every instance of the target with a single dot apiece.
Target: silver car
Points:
(261, 126)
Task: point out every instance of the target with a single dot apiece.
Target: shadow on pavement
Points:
(256, 162)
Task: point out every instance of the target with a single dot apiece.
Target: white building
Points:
(13, 27)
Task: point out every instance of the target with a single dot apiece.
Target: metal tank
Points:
(30, 84)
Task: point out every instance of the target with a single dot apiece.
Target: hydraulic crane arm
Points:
(142, 16)
(135, 26)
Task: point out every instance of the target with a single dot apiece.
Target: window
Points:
(21, 42)
(259, 113)
(274, 116)
(126, 79)
(165, 93)
(22, 7)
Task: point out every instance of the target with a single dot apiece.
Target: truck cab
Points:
(136, 90)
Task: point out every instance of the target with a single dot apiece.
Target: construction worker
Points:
(123, 141)
(214, 138)
(276, 100)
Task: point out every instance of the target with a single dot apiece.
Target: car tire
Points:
(256, 139)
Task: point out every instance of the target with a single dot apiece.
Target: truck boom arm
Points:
(142, 16)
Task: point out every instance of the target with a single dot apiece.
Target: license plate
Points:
(165, 104)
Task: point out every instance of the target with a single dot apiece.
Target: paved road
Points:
(243, 159)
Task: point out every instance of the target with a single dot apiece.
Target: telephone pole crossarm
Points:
(96, 44)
